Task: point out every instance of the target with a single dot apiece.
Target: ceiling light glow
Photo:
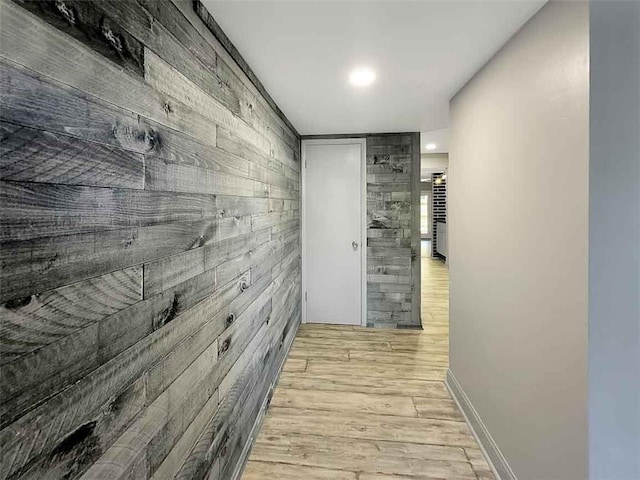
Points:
(430, 146)
(362, 77)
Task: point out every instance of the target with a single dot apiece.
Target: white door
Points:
(334, 223)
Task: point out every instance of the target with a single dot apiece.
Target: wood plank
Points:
(178, 454)
(31, 379)
(21, 35)
(367, 426)
(201, 69)
(134, 443)
(365, 345)
(243, 306)
(368, 385)
(358, 332)
(196, 301)
(437, 346)
(161, 76)
(271, 219)
(445, 409)
(365, 369)
(329, 353)
(345, 402)
(230, 141)
(30, 155)
(40, 264)
(32, 210)
(78, 450)
(99, 32)
(26, 100)
(165, 176)
(177, 147)
(32, 322)
(402, 358)
(295, 365)
(359, 455)
(479, 464)
(167, 272)
(257, 470)
(258, 260)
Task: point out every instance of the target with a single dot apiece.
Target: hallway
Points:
(369, 404)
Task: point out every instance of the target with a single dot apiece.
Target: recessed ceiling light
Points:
(362, 77)
(430, 146)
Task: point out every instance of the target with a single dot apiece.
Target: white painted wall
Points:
(518, 200)
(614, 242)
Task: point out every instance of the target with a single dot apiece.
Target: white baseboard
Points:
(255, 429)
(492, 453)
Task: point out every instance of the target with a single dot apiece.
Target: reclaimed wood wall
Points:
(150, 259)
(393, 230)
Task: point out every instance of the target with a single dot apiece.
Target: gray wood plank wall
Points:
(149, 242)
(393, 230)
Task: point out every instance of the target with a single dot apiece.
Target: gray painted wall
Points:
(518, 309)
(614, 240)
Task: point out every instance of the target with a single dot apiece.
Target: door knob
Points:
(354, 245)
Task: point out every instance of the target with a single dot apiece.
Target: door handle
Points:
(354, 245)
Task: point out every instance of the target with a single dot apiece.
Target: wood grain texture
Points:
(108, 83)
(28, 100)
(33, 322)
(150, 271)
(98, 31)
(31, 155)
(393, 181)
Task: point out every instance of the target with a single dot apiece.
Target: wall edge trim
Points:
(496, 460)
(257, 424)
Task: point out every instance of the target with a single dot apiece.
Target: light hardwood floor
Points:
(369, 404)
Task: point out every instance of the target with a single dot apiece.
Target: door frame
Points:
(363, 220)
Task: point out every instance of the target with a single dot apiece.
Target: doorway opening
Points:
(434, 244)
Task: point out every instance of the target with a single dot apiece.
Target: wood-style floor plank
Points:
(345, 402)
(380, 386)
(367, 369)
(367, 426)
(358, 403)
(443, 408)
(256, 470)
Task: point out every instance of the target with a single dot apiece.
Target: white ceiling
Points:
(439, 137)
(422, 52)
